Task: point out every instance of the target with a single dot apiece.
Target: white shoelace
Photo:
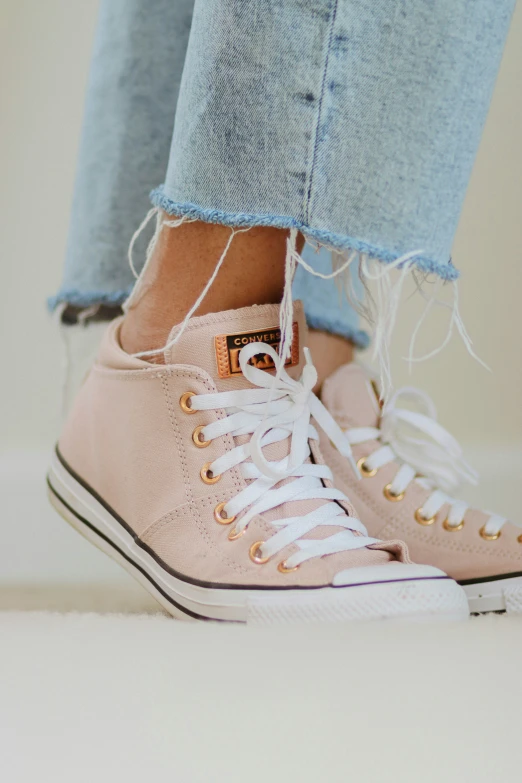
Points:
(280, 408)
(432, 452)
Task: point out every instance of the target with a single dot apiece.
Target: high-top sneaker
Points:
(409, 464)
(202, 476)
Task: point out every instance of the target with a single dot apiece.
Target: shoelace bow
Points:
(431, 456)
(279, 408)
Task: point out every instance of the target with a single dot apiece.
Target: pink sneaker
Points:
(482, 551)
(209, 487)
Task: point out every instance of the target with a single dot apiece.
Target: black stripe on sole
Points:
(139, 568)
(200, 582)
(484, 579)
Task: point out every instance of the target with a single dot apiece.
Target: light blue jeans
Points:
(355, 121)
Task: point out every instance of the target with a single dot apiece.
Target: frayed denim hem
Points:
(358, 337)
(328, 238)
(76, 298)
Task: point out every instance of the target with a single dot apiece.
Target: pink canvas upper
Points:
(128, 439)
(462, 554)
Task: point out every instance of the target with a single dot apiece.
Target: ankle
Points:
(147, 327)
(329, 352)
(183, 261)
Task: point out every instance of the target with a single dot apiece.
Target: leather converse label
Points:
(228, 347)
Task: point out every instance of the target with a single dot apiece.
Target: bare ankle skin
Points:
(182, 263)
(329, 351)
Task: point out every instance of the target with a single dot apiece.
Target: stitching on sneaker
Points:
(188, 486)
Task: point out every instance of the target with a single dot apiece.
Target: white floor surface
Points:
(92, 697)
(98, 686)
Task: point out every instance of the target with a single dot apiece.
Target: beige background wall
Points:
(44, 57)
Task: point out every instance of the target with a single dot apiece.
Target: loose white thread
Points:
(292, 259)
(161, 222)
(379, 308)
(380, 311)
(455, 320)
(386, 306)
(286, 313)
(198, 301)
(144, 223)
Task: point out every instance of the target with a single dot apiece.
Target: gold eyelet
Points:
(366, 472)
(422, 520)
(201, 444)
(283, 569)
(183, 402)
(519, 539)
(256, 558)
(235, 534)
(217, 515)
(389, 495)
(204, 473)
(489, 536)
(452, 528)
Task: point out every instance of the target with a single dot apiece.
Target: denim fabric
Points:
(137, 61)
(138, 57)
(354, 120)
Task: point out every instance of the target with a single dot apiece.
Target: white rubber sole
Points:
(495, 595)
(421, 598)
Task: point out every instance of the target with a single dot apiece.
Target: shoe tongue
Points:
(213, 342)
(351, 397)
